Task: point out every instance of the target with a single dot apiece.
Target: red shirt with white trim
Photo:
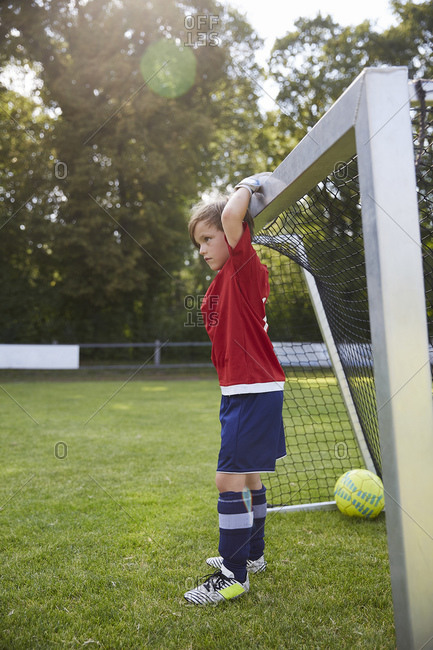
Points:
(234, 315)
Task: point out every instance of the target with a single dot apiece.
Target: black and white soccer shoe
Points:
(216, 588)
(253, 566)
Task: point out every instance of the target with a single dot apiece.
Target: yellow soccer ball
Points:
(359, 493)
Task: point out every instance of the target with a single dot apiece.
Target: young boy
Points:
(252, 383)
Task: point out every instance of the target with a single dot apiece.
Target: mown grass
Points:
(108, 511)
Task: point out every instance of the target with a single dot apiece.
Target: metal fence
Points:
(290, 354)
(160, 355)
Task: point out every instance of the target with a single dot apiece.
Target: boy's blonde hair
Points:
(210, 212)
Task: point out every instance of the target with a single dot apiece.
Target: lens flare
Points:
(168, 69)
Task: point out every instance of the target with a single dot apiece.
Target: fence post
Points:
(157, 354)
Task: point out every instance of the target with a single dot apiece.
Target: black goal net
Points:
(322, 234)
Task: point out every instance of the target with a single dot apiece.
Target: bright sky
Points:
(273, 18)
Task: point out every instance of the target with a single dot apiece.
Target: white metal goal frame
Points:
(372, 119)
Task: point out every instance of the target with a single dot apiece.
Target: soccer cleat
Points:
(253, 566)
(217, 588)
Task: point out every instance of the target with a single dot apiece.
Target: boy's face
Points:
(212, 245)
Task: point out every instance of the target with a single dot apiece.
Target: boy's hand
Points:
(253, 183)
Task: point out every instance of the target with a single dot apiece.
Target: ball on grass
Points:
(359, 493)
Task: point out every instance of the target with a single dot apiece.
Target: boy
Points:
(252, 383)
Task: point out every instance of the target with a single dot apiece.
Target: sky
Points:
(273, 18)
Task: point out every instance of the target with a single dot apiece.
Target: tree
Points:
(317, 61)
(124, 163)
(26, 197)
(313, 65)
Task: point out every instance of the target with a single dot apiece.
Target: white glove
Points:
(253, 183)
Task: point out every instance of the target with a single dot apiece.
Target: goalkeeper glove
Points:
(253, 183)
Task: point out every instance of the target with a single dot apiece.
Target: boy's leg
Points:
(235, 523)
(259, 507)
(257, 542)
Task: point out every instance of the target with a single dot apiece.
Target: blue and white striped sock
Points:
(257, 543)
(235, 524)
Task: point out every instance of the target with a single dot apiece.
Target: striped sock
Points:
(257, 542)
(235, 524)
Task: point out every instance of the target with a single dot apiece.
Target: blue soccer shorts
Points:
(252, 432)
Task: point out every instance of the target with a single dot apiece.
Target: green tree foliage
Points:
(312, 66)
(26, 200)
(316, 62)
(98, 172)
(103, 197)
(289, 309)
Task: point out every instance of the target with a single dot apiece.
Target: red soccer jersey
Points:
(234, 315)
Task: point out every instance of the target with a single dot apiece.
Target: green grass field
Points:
(108, 511)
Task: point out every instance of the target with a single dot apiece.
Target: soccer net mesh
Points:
(322, 233)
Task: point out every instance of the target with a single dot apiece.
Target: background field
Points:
(108, 511)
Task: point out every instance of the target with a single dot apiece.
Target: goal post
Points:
(372, 121)
(400, 347)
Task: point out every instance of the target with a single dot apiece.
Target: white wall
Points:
(40, 357)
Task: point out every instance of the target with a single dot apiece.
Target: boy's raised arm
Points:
(237, 206)
(233, 215)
